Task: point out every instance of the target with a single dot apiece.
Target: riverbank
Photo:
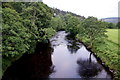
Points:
(108, 52)
(107, 56)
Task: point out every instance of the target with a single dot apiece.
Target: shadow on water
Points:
(32, 66)
(87, 68)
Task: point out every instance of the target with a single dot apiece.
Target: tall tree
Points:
(94, 30)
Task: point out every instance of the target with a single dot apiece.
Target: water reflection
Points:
(73, 46)
(32, 66)
(88, 69)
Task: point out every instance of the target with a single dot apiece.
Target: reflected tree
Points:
(73, 46)
(87, 68)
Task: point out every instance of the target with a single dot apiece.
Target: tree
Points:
(72, 23)
(15, 35)
(111, 26)
(38, 13)
(58, 23)
(36, 16)
(94, 30)
(24, 25)
(118, 25)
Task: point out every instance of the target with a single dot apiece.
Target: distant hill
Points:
(111, 19)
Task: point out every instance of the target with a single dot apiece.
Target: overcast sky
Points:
(96, 8)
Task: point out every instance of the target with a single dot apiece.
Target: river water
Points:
(72, 60)
(64, 58)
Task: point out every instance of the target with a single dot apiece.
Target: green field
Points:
(112, 35)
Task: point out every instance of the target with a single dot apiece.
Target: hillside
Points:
(58, 12)
(111, 19)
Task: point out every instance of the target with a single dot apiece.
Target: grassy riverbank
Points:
(108, 52)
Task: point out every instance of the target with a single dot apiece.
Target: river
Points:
(64, 58)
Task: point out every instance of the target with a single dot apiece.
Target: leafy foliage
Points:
(24, 25)
(94, 30)
(15, 36)
(58, 23)
(72, 23)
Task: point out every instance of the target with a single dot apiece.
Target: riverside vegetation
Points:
(26, 24)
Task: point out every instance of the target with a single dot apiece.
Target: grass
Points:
(108, 52)
(112, 35)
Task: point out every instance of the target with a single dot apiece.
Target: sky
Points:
(96, 8)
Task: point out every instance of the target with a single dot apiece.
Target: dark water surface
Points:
(62, 59)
